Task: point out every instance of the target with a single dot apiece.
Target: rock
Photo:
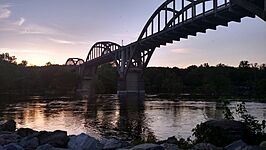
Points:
(56, 138)
(45, 147)
(29, 142)
(9, 125)
(49, 147)
(222, 132)
(109, 144)
(8, 138)
(252, 148)
(237, 145)
(204, 146)
(263, 144)
(84, 142)
(147, 146)
(6, 132)
(168, 146)
(172, 140)
(23, 132)
(13, 146)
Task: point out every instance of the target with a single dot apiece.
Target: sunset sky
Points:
(53, 30)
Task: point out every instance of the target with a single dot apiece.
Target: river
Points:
(109, 116)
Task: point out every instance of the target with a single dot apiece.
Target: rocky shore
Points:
(12, 138)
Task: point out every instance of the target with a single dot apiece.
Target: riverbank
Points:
(29, 139)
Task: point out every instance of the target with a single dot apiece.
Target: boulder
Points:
(172, 140)
(6, 132)
(8, 138)
(168, 146)
(57, 138)
(204, 146)
(29, 142)
(9, 125)
(253, 148)
(45, 147)
(13, 146)
(222, 132)
(110, 144)
(84, 142)
(147, 146)
(263, 144)
(49, 147)
(23, 132)
(236, 145)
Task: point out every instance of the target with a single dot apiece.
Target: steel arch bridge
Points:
(173, 20)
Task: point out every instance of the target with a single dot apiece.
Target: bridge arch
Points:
(100, 49)
(74, 61)
(176, 19)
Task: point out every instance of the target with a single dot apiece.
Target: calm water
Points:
(109, 116)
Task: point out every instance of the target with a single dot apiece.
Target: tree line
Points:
(18, 78)
(248, 80)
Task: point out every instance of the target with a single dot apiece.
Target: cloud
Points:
(62, 41)
(37, 29)
(59, 41)
(4, 11)
(21, 21)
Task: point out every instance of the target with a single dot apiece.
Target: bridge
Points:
(173, 20)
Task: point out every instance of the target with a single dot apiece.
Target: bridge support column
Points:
(132, 84)
(87, 86)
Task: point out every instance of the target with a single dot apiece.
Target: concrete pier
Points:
(87, 86)
(132, 84)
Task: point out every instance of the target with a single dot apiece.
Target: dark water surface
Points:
(109, 116)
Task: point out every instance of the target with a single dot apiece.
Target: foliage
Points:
(48, 64)
(210, 134)
(8, 58)
(254, 125)
(23, 63)
(106, 79)
(19, 79)
(255, 130)
(246, 81)
(227, 112)
(185, 144)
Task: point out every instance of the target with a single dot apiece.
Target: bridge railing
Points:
(174, 12)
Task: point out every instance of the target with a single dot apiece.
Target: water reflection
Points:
(132, 118)
(129, 117)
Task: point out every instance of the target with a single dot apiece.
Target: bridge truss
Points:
(173, 20)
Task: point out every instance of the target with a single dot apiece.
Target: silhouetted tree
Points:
(48, 64)
(263, 66)
(24, 63)
(244, 64)
(8, 58)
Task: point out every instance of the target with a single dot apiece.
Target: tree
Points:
(8, 58)
(48, 64)
(221, 65)
(262, 66)
(255, 65)
(244, 64)
(24, 63)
